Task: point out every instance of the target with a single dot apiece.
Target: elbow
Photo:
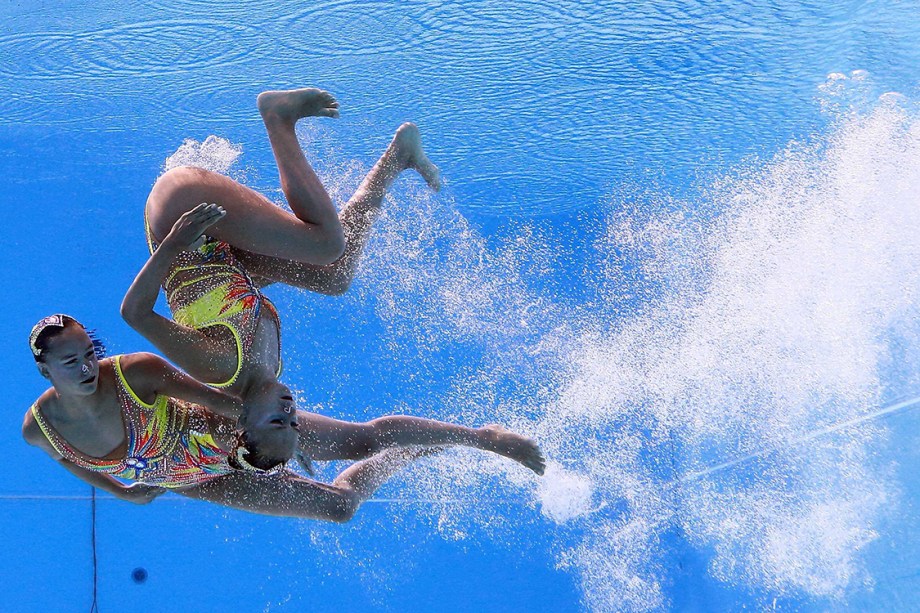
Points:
(130, 313)
(344, 508)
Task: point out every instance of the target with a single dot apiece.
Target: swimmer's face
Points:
(270, 420)
(69, 362)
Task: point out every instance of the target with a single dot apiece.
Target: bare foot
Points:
(293, 104)
(514, 446)
(407, 143)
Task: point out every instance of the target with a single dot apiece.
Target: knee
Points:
(372, 437)
(176, 178)
(384, 430)
(345, 508)
(332, 246)
(336, 285)
(171, 196)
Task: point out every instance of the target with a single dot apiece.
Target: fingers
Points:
(206, 210)
(189, 228)
(205, 215)
(332, 108)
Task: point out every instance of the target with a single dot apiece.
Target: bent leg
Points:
(324, 438)
(313, 234)
(288, 495)
(357, 217)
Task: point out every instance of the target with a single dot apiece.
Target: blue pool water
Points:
(677, 245)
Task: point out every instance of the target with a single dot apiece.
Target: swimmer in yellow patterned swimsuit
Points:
(214, 243)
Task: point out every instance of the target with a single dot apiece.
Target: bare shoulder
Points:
(142, 364)
(31, 431)
(143, 372)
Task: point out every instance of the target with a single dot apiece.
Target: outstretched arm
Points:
(138, 493)
(187, 347)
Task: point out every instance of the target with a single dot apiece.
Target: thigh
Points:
(282, 494)
(324, 438)
(253, 222)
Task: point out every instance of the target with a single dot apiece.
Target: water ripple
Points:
(233, 12)
(138, 49)
(361, 29)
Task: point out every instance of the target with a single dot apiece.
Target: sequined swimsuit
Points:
(169, 442)
(209, 287)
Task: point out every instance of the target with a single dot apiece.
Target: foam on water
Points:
(783, 302)
(563, 494)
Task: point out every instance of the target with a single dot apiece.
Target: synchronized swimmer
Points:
(223, 427)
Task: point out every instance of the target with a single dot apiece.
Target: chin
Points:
(88, 389)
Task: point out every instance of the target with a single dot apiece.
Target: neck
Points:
(256, 378)
(79, 403)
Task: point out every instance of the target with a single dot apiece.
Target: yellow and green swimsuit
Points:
(209, 287)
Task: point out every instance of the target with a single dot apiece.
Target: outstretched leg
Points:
(357, 217)
(324, 438)
(253, 223)
(287, 495)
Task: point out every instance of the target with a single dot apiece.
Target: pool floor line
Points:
(109, 497)
(855, 421)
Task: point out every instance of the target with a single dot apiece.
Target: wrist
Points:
(170, 247)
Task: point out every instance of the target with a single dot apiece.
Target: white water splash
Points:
(214, 153)
(563, 494)
(774, 317)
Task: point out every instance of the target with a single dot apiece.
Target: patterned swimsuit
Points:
(209, 287)
(169, 442)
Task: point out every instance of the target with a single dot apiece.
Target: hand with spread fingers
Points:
(188, 231)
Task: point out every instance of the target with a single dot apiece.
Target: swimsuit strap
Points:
(148, 233)
(126, 387)
(150, 428)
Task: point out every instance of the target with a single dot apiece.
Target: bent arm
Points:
(151, 376)
(191, 349)
(138, 303)
(137, 493)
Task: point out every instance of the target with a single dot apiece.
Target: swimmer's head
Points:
(66, 354)
(268, 435)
